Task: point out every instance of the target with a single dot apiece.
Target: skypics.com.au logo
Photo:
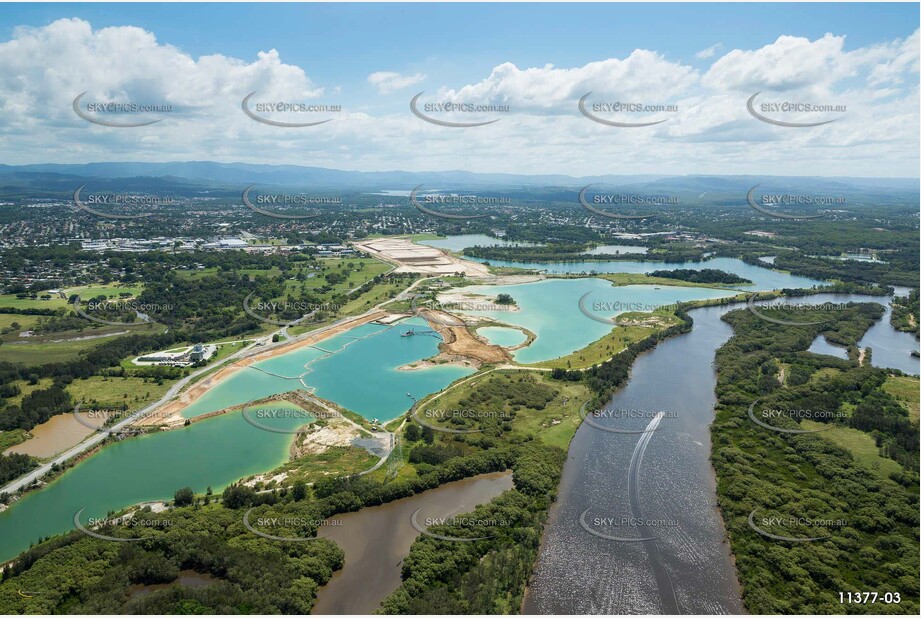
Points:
(616, 109)
(438, 112)
(272, 112)
(105, 113)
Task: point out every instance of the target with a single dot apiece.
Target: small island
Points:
(704, 275)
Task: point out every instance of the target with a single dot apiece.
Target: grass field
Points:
(824, 373)
(51, 349)
(906, 390)
(861, 445)
(111, 392)
(25, 388)
(11, 438)
(641, 279)
(555, 424)
(85, 292)
(24, 321)
(335, 461)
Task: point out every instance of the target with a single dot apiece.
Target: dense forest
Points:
(814, 487)
(704, 275)
(674, 252)
(13, 466)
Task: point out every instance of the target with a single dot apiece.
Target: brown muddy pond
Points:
(57, 434)
(377, 539)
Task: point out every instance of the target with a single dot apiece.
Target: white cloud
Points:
(641, 74)
(388, 81)
(43, 69)
(708, 52)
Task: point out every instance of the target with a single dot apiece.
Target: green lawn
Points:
(135, 393)
(46, 349)
(193, 275)
(861, 445)
(906, 390)
(24, 321)
(110, 290)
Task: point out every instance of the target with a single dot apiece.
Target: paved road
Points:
(99, 436)
(94, 439)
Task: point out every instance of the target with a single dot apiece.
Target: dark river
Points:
(656, 485)
(377, 539)
(666, 484)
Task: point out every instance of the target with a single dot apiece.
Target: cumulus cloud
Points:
(388, 81)
(708, 131)
(641, 74)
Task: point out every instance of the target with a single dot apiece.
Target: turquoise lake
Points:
(506, 337)
(361, 373)
(358, 370)
(361, 376)
(216, 452)
(550, 309)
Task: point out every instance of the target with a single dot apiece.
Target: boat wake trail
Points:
(663, 581)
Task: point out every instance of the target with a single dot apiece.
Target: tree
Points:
(412, 432)
(428, 434)
(299, 491)
(184, 496)
(505, 299)
(238, 496)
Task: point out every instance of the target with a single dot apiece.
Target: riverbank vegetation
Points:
(485, 576)
(522, 413)
(818, 485)
(905, 312)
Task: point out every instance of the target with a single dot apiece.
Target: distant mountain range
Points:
(204, 174)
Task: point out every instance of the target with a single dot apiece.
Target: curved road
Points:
(96, 438)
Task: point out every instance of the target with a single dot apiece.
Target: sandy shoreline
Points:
(430, 261)
(172, 411)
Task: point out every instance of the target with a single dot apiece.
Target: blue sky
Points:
(455, 49)
(460, 42)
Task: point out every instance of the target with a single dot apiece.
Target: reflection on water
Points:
(377, 539)
(822, 346)
(551, 310)
(891, 348)
(615, 249)
(580, 573)
(761, 278)
(506, 337)
(688, 564)
(330, 369)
